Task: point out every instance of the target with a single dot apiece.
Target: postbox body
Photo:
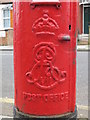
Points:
(45, 57)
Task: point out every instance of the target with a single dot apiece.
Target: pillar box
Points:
(45, 35)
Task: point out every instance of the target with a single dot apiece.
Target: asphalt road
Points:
(7, 79)
(7, 74)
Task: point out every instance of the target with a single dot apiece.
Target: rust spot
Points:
(75, 48)
(74, 61)
(16, 96)
(75, 34)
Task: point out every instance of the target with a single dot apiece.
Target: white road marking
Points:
(6, 100)
(1, 116)
(5, 54)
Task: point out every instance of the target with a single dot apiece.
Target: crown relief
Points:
(45, 25)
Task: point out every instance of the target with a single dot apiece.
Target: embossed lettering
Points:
(62, 96)
(46, 97)
(66, 95)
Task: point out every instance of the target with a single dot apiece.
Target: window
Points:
(6, 18)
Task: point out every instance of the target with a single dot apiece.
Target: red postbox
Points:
(45, 59)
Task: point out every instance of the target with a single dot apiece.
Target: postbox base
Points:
(21, 116)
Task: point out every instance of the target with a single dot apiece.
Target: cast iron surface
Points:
(45, 57)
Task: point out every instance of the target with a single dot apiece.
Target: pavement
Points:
(79, 48)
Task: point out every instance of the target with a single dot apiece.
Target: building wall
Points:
(5, 1)
(8, 38)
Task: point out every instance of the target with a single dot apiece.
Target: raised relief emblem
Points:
(45, 25)
(44, 74)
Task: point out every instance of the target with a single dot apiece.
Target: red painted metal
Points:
(45, 57)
